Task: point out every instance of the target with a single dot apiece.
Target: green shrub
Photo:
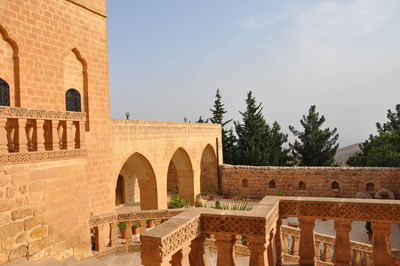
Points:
(122, 225)
(135, 225)
(176, 202)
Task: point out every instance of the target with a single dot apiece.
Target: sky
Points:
(167, 58)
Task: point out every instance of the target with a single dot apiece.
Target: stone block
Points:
(7, 204)
(46, 252)
(19, 180)
(21, 213)
(11, 230)
(60, 247)
(4, 256)
(41, 231)
(34, 247)
(11, 191)
(50, 239)
(19, 252)
(4, 219)
(7, 244)
(64, 254)
(4, 180)
(21, 237)
(36, 186)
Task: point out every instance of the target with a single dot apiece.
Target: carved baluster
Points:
(11, 134)
(258, 250)
(197, 254)
(54, 135)
(99, 237)
(342, 252)
(128, 234)
(61, 135)
(356, 257)
(326, 255)
(285, 244)
(381, 253)
(82, 141)
(41, 129)
(181, 258)
(294, 248)
(71, 130)
(113, 234)
(278, 242)
(143, 224)
(3, 136)
(307, 250)
(226, 255)
(22, 135)
(30, 127)
(317, 250)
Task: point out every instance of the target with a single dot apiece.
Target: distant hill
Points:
(344, 153)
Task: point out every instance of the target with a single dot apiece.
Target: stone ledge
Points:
(28, 157)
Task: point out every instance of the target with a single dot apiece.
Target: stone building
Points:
(65, 165)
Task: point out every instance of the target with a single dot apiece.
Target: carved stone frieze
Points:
(28, 157)
(238, 225)
(27, 113)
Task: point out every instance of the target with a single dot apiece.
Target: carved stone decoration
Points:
(29, 134)
(47, 135)
(73, 135)
(60, 132)
(10, 138)
(18, 112)
(24, 157)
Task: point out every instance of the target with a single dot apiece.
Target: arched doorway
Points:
(180, 175)
(136, 183)
(209, 171)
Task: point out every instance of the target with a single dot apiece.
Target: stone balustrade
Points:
(28, 135)
(105, 231)
(180, 240)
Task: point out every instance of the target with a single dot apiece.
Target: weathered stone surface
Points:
(50, 239)
(11, 191)
(20, 237)
(4, 219)
(18, 252)
(38, 232)
(4, 179)
(11, 230)
(21, 213)
(36, 186)
(34, 247)
(32, 222)
(7, 244)
(19, 180)
(7, 204)
(4, 255)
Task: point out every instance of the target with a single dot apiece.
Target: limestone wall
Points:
(317, 180)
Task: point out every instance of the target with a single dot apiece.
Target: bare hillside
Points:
(344, 153)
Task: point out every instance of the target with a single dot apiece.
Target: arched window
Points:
(370, 187)
(4, 93)
(271, 184)
(73, 100)
(120, 191)
(335, 185)
(245, 183)
(302, 186)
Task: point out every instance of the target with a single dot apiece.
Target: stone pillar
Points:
(381, 253)
(181, 258)
(306, 249)
(226, 253)
(3, 136)
(295, 245)
(342, 251)
(326, 255)
(285, 244)
(82, 131)
(54, 135)
(22, 137)
(113, 234)
(197, 255)
(270, 250)
(41, 138)
(151, 253)
(278, 242)
(356, 257)
(318, 250)
(99, 234)
(258, 250)
(128, 234)
(71, 131)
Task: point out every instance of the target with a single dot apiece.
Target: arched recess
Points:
(180, 174)
(302, 185)
(272, 184)
(370, 186)
(208, 171)
(245, 183)
(9, 70)
(335, 186)
(76, 77)
(139, 183)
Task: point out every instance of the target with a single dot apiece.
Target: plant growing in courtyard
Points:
(176, 202)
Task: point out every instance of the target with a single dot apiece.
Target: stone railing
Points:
(107, 238)
(180, 240)
(28, 135)
(324, 248)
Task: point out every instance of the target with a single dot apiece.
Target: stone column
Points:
(381, 253)
(278, 242)
(356, 257)
(128, 234)
(71, 131)
(181, 258)
(3, 136)
(258, 250)
(22, 137)
(99, 234)
(326, 255)
(306, 249)
(197, 255)
(82, 131)
(285, 244)
(152, 254)
(226, 253)
(54, 135)
(317, 250)
(342, 251)
(40, 131)
(113, 234)
(295, 245)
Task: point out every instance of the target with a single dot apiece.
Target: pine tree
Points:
(316, 146)
(218, 118)
(251, 135)
(382, 150)
(201, 120)
(278, 155)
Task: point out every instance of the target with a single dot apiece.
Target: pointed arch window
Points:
(4, 93)
(73, 100)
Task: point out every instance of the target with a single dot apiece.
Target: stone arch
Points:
(370, 186)
(271, 184)
(335, 186)
(9, 71)
(180, 172)
(208, 170)
(139, 178)
(76, 77)
(245, 182)
(302, 185)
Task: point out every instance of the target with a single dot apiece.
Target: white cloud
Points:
(250, 22)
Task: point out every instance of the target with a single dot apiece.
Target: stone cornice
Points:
(29, 157)
(27, 113)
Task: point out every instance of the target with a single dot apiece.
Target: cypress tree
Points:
(316, 146)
